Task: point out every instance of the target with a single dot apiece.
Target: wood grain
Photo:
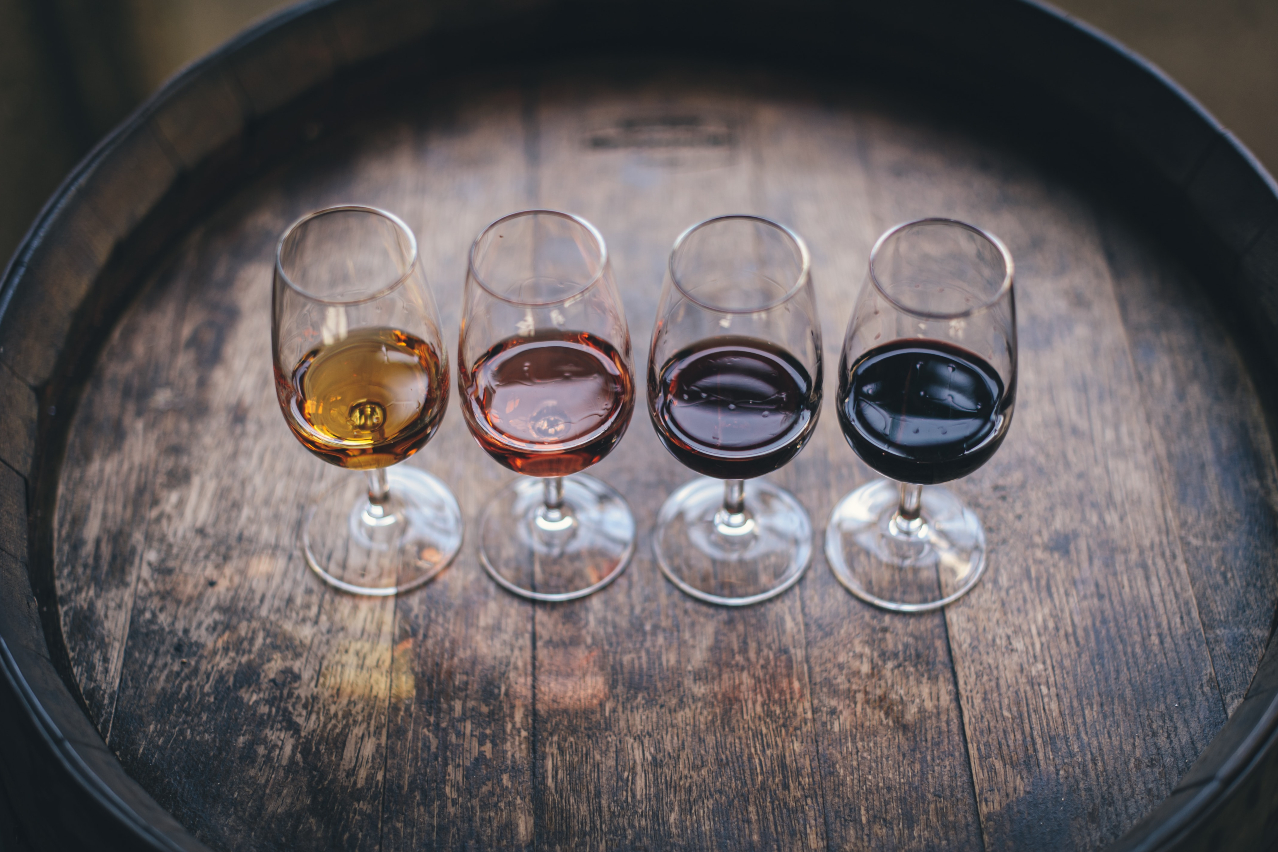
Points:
(21, 625)
(1051, 708)
(662, 722)
(208, 113)
(57, 275)
(458, 762)
(1206, 419)
(104, 532)
(17, 422)
(1080, 659)
(889, 726)
(279, 66)
(228, 638)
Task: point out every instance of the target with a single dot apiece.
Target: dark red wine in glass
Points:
(927, 386)
(922, 411)
(734, 390)
(733, 407)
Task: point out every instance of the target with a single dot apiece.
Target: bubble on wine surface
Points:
(550, 422)
(367, 416)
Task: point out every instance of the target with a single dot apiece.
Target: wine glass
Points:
(547, 387)
(361, 375)
(734, 391)
(927, 384)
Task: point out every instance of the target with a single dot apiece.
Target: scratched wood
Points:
(889, 724)
(633, 678)
(1081, 655)
(1051, 708)
(1206, 418)
(458, 764)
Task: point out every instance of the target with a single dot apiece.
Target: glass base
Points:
(352, 547)
(556, 557)
(732, 560)
(914, 567)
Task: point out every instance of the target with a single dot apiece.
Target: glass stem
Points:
(734, 497)
(378, 492)
(732, 519)
(908, 520)
(911, 502)
(554, 499)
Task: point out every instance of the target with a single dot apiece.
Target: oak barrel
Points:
(173, 677)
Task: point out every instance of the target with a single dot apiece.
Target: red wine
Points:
(734, 407)
(549, 404)
(923, 411)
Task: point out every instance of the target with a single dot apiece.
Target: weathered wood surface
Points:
(1081, 655)
(1052, 707)
(1209, 421)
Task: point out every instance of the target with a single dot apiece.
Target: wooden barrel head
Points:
(1105, 668)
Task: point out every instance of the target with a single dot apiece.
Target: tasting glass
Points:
(362, 379)
(547, 387)
(738, 312)
(933, 338)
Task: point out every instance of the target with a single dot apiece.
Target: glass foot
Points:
(915, 567)
(732, 560)
(354, 547)
(556, 556)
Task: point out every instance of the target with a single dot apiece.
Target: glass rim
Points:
(1009, 268)
(539, 211)
(800, 281)
(347, 208)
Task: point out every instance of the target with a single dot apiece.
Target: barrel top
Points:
(1089, 680)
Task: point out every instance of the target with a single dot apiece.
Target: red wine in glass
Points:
(547, 388)
(922, 411)
(733, 407)
(550, 404)
(927, 389)
(734, 390)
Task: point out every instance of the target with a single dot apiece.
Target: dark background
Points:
(71, 69)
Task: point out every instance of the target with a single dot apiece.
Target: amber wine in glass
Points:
(362, 378)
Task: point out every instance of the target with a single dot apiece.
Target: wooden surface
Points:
(1130, 517)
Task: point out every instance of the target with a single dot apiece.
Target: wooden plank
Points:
(1257, 276)
(69, 789)
(132, 176)
(206, 114)
(231, 642)
(17, 422)
(282, 64)
(372, 28)
(1233, 200)
(228, 632)
(48, 291)
(266, 712)
(1084, 674)
(886, 709)
(107, 493)
(19, 613)
(459, 743)
(1210, 436)
(662, 722)
(13, 513)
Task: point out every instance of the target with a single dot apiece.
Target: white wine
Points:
(369, 400)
